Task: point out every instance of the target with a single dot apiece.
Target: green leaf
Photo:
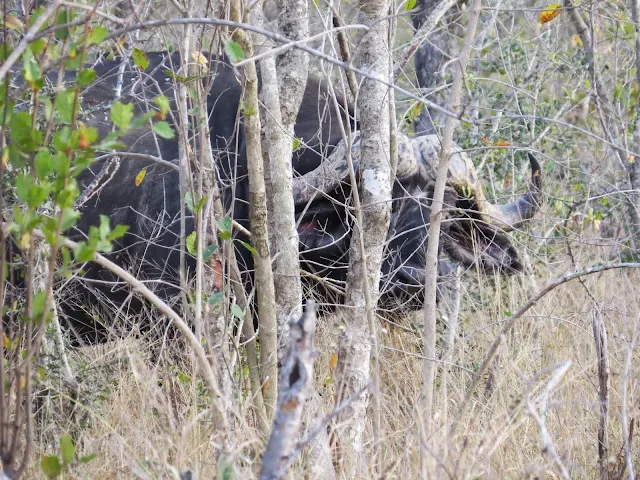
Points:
(228, 473)
(215, 298)
(87, 458)
(30, 193)
(234, 50)
(192, 247)
(143, 119)
(64, 16)
(208, 251)
(43, 163)
(414, 111)
(140, 59)
(38, 305)
(247, 110)
(61, 164)
(121, 114)
(237, 312)
(410, 5)
(197, 208)
(188, 201)
(83, 252)
(32, 74)
(117, 232)
(97, 35)
(65, 104)
(38, 46)
(111, 144)
(224, 228)
(50, 466)
(69, 218)
(163, 103)
(105, 226)
(23, 134)
(248, 247)
(297, 142)
(86, 76)
(67, 449)
(163, 130)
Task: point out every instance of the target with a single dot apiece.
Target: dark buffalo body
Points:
(152, 210)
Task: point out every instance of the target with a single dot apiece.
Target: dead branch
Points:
(297, 374)
(538, 414)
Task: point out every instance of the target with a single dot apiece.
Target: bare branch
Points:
(435, 220)
(548, 447)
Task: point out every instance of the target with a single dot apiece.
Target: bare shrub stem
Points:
(431, 256)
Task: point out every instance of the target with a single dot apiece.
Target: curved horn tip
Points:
(535, 164)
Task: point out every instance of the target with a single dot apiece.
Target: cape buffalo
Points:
(473, 233)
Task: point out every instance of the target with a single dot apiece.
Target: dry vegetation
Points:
(146, 420)
(144, 411)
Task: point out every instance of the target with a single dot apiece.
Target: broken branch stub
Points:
(296, 374)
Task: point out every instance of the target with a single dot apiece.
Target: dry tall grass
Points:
(148, 420)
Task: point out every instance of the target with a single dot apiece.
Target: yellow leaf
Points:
(334, 361)
(5, 341)
(198, 57)
(25, 241)
(23, 381)
(551, 12)
(140, 176)
(265, 387)
(576, 41)
(631, 158)
(327, 381)
(14, 23)
(5, 157)
(502, 143)
(596, 225)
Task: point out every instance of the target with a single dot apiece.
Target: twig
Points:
(421, 35)
(431, 256)
(548, 446)
(322, 426)
(93, 10)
